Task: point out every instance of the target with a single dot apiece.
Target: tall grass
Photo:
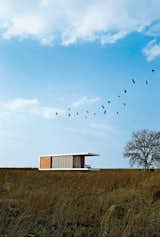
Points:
(107, 203)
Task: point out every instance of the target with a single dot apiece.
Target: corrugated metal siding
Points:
(62, 162)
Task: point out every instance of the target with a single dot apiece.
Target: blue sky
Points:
(51, 61)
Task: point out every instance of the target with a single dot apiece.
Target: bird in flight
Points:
(104, 107)
(133, 81)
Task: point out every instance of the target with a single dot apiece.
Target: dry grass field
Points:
(107, 203)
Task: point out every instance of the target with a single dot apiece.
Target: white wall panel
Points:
(62, 162)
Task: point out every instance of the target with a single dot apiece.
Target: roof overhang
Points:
(72, 154)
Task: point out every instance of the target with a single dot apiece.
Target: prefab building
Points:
(74, 161)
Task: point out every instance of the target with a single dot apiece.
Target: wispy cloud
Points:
(48, 112)
(32, 106)
(152, 50)
(100, 126)
(95, 129)
(4, 115)
(20, 103)
(85, 101)
(104, 127)
(66, 22)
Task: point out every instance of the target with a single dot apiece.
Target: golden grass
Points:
(107, 203)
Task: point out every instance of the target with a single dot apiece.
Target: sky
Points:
(63, 57)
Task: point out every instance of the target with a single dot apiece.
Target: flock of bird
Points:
(102, 107)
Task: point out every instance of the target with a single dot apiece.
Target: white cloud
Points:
(86, 131)
(4, 115)
(32, 106)
(152, 50)
(95, 129)
(20, 103)
(111, 38)
(100, 126)
(68, 21)
(103, 127)
(48, 112)
(85, 101)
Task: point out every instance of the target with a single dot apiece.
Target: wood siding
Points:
(45, 162)
(78, 162)
(82, 162)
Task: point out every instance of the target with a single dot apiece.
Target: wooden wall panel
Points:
(78, 162)
(45, 162)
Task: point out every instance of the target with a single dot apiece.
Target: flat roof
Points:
(73, 154)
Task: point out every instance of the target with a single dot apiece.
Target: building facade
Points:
(64, 161)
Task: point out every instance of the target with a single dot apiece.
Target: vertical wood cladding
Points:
(82, 161)
(78, 162)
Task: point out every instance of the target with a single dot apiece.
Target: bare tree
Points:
(144, 149)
